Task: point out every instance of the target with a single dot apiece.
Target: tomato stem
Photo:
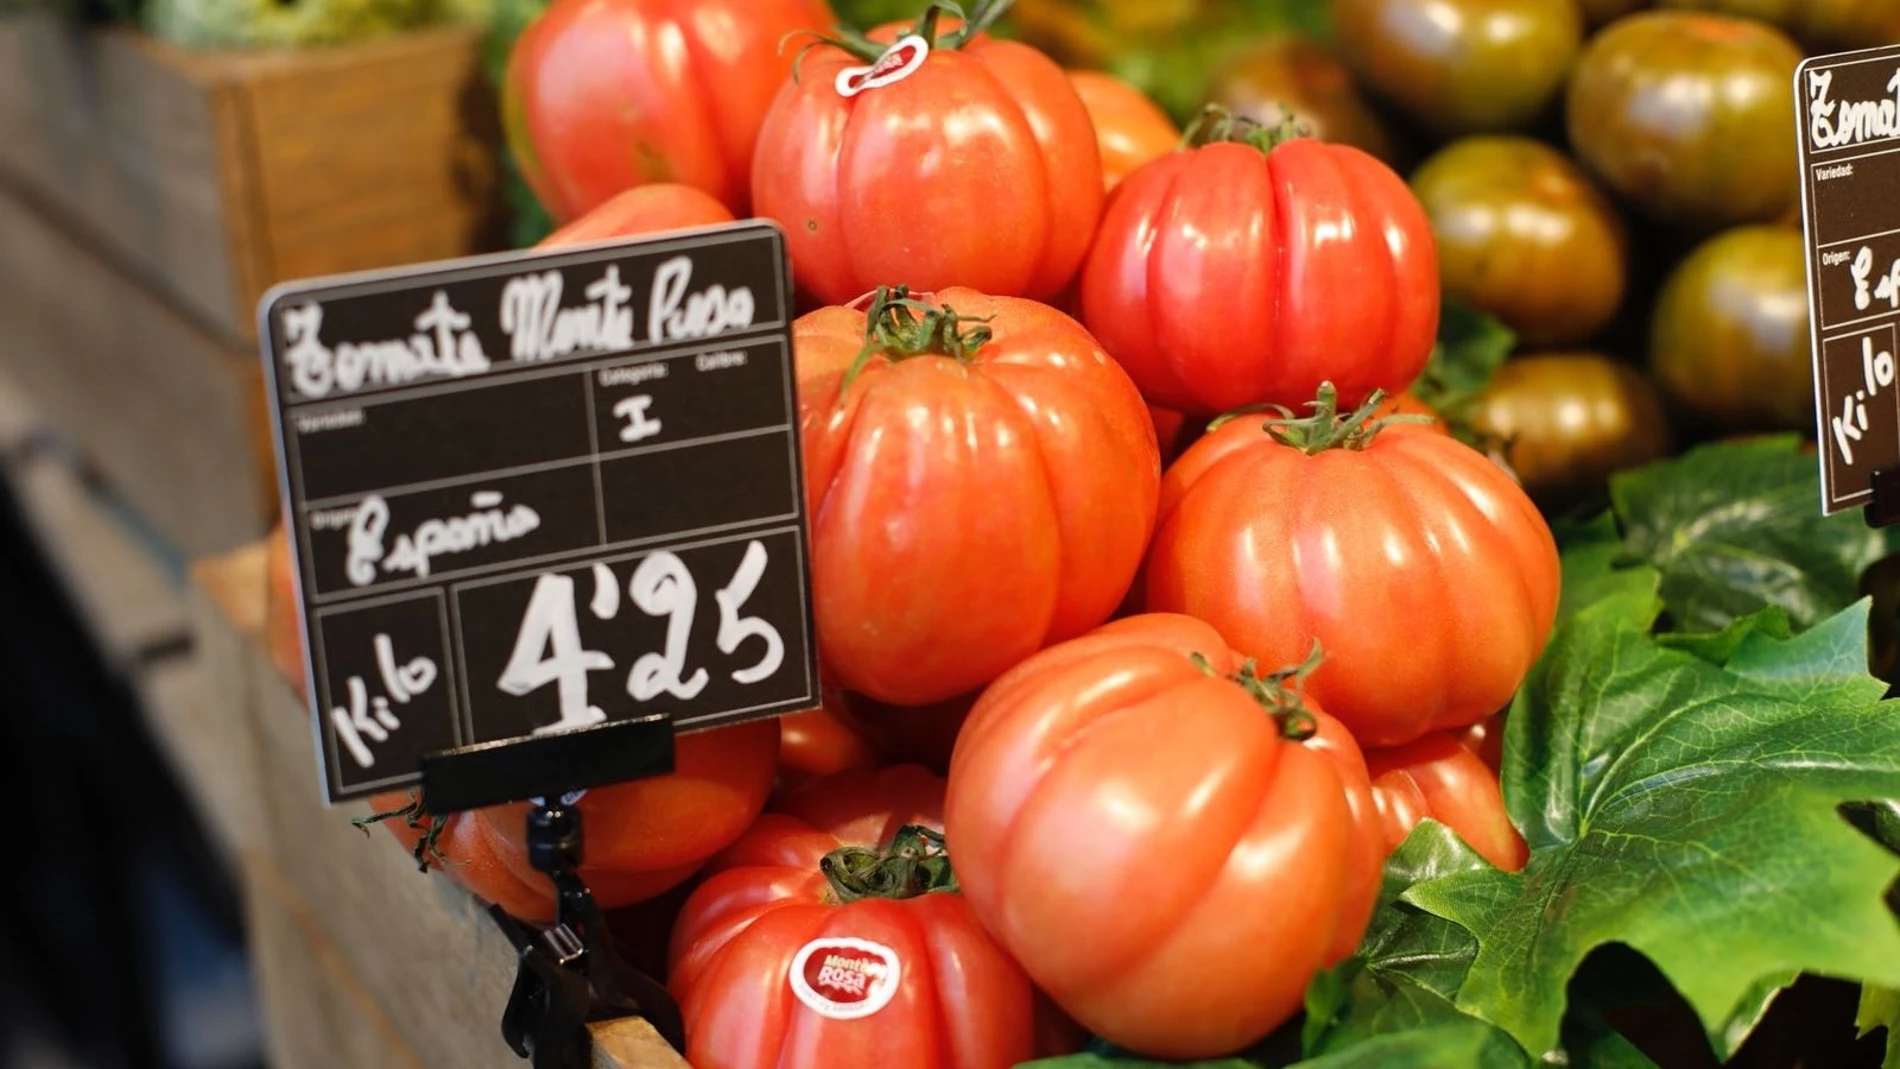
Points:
(1327, 429)
(857, 44)
(914, 864)
(1216, 124)
(898, 326)
(1281, 694)
(427, 850)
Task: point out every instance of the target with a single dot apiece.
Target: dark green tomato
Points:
(1462, 66)
(1523, 235)
(1603, 12)
(1824, 25)
(1729, 344)
(1690, 116)
(1571, 420)
(1291, 77)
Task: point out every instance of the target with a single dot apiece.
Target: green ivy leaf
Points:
(1097, 1060)
(1596, 567)
(1880, 1008)
(1468, 1044)
(1687, 809)
(1736, 526)
(1471, 347)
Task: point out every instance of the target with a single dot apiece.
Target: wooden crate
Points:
(170, 416)
(212, 176)
(362, 960)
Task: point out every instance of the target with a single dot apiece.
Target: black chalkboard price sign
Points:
(535, 494)
(1848, 110)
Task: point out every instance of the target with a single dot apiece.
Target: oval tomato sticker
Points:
(845, 979)
(898, 62)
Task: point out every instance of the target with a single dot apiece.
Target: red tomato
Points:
(645, 836)
(1486, 739)
(468, 854)
(642, 210)
(1174, 432)
(977, 492)
(1146, 839)
(976, 166)
(819, 743)
(778, 967)
(1130, 129)
(1425, 573)
(1440, 779)
(1236, 274)
(912, 734)
(604, 95)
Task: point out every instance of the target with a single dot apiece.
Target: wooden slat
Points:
(212, 176)
(121, 134)
(169, 415)
(346, 919)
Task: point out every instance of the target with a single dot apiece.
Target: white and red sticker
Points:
(845, 979)
(898, 62)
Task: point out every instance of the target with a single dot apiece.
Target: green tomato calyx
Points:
(897, 326)
(1327, 428)
(912, 865)
(1216, 124)
(1282, 694)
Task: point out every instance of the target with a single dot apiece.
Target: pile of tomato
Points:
(1153, 610)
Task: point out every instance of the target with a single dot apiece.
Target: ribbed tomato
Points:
(826, 938)
(1133, 819)
(642, 210)
(1130, 129)
(955, 160)
(1441, 779)
(604, 95)
(980, 478)
(1421, 568)
(1249, 271)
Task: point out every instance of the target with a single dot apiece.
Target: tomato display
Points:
(1462, 66)
(1109, 805)
(1825, 25)
(1523, 235)
(1568, 421)
(1251, 268)
(646, 836)
(604, 95)
(953, 160)
(1419, 566)
(1671, 109)
(980, 478)
(824, 938)
(1292, 79)
(1130, 129)
(642, 210)
(1438, 778)
(1730, 339)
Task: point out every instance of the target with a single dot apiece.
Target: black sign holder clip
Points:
(570, 974)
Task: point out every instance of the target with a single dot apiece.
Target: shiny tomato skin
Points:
(645, 837)
(1118, 818)
(966, 515)
(1523, 235)
(1130, 129)
(1569, 421)
(1292, 78)
(1440, 779)
(1426, 574)
(979, 169)
(1729, 342)
(961, 1003)
(1668, 108)
(1486, 739)
(642, 210)
(1225, 277)
(1462, 66)
(604, 95)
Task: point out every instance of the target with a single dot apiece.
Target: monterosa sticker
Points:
(898, 62)
(845, 979)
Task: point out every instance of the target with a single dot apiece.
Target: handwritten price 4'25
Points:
(548, 645)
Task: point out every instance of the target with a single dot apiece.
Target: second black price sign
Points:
(535, 493)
